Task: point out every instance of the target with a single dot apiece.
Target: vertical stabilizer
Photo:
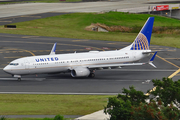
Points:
(53, 49)
(142, 41)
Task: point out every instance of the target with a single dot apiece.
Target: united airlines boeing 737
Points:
(84, 64)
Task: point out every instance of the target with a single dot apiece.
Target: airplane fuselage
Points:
(66, 62)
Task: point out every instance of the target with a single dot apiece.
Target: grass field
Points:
(16, 104)
(73, 26)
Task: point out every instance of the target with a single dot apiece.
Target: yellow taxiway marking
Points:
(79, 40)
(172, 58)
(167, 61)
(51, 44)
(150, 91)
(5, 21)
(171, 76)
(30, 52)
(31, 16)
(29, 36)
(22, 51)
(14, 57)
(175, 73)
(111, 43)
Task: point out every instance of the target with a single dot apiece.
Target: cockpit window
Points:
(15, 64)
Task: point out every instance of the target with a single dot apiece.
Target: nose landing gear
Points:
(18, 77)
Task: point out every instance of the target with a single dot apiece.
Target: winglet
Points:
(53, 49)
(152, 59)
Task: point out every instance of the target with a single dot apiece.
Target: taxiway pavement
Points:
(105, 82)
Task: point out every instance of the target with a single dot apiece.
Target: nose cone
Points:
(7, 69)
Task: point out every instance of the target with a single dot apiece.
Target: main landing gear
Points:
(91, 75)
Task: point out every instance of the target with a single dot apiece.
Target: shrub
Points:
(59, 117)
(2, 118)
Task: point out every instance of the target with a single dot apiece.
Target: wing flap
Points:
(111, 66)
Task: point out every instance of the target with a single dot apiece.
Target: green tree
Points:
(134, 96)
(147, 112)
(167, 90)
(155, 110)
(171, 112)
(120, 107)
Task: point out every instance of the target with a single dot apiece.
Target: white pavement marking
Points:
(28, 79)
(99, 115)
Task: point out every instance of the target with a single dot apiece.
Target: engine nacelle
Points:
(80, 72)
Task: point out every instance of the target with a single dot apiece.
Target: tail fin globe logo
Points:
(143, 39)
(141, 43)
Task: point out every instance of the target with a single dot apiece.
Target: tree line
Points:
(162, 103)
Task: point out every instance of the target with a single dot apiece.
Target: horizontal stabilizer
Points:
(158, 51)
(152, 59)
(152, 64)
(53, 49)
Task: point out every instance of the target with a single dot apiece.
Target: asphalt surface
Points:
(105, 82)
(22, 18)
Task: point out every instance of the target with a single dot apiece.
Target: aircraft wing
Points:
(113, 65)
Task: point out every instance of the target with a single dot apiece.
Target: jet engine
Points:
(80, 72)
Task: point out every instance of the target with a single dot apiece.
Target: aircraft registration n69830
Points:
(84, 64)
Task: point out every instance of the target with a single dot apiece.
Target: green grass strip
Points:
(21, 104)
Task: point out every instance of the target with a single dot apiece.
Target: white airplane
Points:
(84, 64)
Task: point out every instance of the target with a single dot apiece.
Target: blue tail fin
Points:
(142, 41)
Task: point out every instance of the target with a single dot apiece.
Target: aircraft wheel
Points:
(92, 75)
(19, 79)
